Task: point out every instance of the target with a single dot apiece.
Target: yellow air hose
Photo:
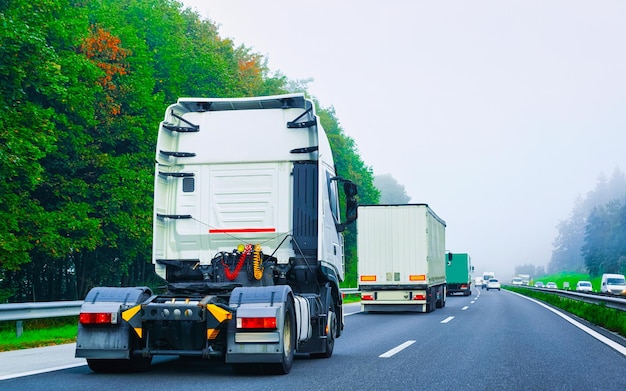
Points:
(256, 262)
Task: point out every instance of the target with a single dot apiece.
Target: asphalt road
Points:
(492, 340)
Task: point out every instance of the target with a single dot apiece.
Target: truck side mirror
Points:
(350, 190)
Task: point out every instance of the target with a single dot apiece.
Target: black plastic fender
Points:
(108, 341)
(271, 347)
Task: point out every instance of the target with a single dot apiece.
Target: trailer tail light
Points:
(367, 297)
(417, 277)
(268, 323)
(419, 297)
(368, 278)
(91, 318)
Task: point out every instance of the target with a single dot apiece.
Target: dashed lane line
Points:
(397, 349)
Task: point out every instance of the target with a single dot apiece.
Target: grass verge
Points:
(38, 332)
(600, 315)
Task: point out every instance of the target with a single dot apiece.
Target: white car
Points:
(552, 285)
(613, 283)
(584, 286)
(493, 283)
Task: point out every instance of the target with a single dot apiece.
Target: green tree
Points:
(567, 255)
(84, 86)
(349, 165)
(604, 249)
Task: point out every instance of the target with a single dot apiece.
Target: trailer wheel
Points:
(330, 338)
(289, 341)
(431, 300)
(441, 297)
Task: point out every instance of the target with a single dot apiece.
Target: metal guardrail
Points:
(56, 309)
(617, 303)
(20, 312)
(51, 309)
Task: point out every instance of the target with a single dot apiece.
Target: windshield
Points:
(615, 281)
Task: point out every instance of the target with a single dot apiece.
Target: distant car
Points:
(538, 284)
(493, 284)
(584, 286)
(613, 283)
(551, 285)
(516, 281)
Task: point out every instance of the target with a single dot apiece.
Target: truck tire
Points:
(441, 300)
(105, 366)
(289, 341)
(430, 300)
(134, 364)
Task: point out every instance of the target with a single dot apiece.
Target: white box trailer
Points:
(401, 258)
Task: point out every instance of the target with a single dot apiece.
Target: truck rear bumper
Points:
(235, 358)
(103, 353)
(389, 307)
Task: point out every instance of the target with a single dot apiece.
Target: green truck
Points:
(459, 273)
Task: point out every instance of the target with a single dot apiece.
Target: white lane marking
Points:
(446, 320)
(38, 371)
(397, 349)
(621, 349)
(464, 308)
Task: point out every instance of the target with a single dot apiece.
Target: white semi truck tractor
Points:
(248, 235)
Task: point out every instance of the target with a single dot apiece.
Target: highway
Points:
(492, 340)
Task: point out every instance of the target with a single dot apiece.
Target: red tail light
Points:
(419, 297)
(367, 297)
(97, 318)
(256, 323)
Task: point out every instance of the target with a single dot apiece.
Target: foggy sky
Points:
(497, 114)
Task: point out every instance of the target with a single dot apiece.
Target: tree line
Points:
(83, 87)
(593, 238)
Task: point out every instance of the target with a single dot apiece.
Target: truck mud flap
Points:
(257, 334)
(102, 334)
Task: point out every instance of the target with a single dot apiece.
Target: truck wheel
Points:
(431, 300)
(134, 364)
(140, 364)
(330, 338)
(289, 341)
(108, 366)
(441, 300)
